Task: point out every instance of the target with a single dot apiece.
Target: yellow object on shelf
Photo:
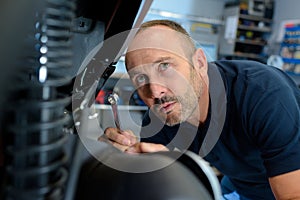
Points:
(201, 26)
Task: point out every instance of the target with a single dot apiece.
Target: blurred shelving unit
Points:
(290, 48)
(246, 30)
(290, 51)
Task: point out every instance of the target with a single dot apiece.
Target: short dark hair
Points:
(187, 42)
(163, 22)
(168, 23)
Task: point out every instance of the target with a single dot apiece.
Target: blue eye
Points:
(141, 79)
(163, 66)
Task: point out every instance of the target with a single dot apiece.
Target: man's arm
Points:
(286, 186)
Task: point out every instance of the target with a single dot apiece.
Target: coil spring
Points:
(36, 158)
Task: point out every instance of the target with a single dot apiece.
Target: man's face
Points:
(164, 78)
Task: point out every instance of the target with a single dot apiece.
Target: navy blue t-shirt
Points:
(260, 134)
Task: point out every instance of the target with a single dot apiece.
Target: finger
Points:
(119, 146)
(144, 147)
(127, 132)
(103, 138)
(115, 135)
(151, 147)
(130, 135)
(134, 149)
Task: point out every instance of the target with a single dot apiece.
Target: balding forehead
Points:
(158, 37)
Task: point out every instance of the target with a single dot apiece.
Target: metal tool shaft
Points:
(113, 100)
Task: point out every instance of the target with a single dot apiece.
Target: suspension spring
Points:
(34, 137)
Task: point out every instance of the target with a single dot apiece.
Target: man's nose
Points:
(157, 90)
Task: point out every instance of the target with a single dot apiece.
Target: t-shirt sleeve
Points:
(275, 120)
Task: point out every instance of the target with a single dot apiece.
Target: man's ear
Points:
(201, 65)
(199, 59)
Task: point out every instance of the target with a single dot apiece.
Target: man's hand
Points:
(118, 138)
(143, 147)
(127, 142)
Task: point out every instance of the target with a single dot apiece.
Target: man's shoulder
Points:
(252, 72)
(240, 66)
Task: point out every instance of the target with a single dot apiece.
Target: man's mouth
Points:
(167, 107)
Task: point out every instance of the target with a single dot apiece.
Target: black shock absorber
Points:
(35, 158)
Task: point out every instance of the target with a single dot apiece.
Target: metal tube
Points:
(113, 100)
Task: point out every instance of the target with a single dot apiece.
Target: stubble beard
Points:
(186, 106)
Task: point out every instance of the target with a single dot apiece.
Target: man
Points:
(241, 116)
